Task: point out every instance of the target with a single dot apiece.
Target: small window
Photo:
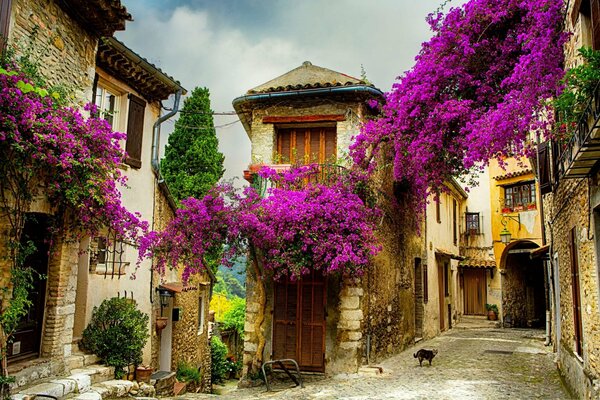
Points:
(472, 223)
(108, 104)
(200, 315)
(107, 257)
(519, 197)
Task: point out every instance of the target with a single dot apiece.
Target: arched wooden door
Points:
(299, 322)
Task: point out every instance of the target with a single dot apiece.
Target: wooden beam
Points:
(272, 119)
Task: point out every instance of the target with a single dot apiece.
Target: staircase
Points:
(476, 322)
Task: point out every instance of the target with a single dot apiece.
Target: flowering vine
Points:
(56, 152)
(477, 89)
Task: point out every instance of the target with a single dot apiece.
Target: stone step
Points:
(116, 388)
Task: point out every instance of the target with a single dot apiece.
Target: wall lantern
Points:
(505, 235)
(164, 296)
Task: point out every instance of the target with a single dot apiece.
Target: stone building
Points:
(64, 36)
(568, 175)
(516, 209)
(329, 324)
(128, 90)
(438, 293)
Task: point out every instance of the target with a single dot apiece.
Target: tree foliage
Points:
(478, 88)
(193, 163)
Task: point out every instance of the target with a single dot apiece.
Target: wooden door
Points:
(27, 336)
(475, 294)
(299, 322)
(306, 145)
(441, 295)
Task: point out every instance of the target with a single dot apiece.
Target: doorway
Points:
(27, 337)
(299, 321)
(475, 293)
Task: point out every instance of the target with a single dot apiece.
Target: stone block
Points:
(89, 359)
(51, 389)
(355, 336)
(66, 310)
(350, 302)
(353, 291)
(349, 345)
(348, 325)
(248, 327)
(103, 391)
(118, 388)
(73, 362)
(88, 396)
(250, 347)
(69, 385)
(351, 315)
(83, 382)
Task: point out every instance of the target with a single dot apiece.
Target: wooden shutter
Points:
(284, 146)
(5, 9)
(577, 325)
(306, 145)
(595, 17)
(284, 320)
(454, 222)
(544, 169)
(312, 323)
(330, 145)
(135, 131)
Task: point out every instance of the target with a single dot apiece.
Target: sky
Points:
(230, 46)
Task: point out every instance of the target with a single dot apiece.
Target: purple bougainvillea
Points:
(56, 152)
(477, 89)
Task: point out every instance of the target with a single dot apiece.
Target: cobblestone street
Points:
(471, 364)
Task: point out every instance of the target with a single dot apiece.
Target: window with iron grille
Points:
(472, 223)
(520, 197)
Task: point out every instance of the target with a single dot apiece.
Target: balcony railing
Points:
(325, 174)
(582, 151)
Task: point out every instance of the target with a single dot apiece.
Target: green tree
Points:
(193, 163)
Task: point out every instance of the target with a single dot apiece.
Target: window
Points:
(472, 223)
(589, 17)
(306, 145)
(519, 197)
(200, 315)
(107, 103)
(454, 230)
(107, 256)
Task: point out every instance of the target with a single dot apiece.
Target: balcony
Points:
(581, 153)
(324, 174)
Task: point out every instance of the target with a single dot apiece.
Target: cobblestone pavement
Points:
(471, 364)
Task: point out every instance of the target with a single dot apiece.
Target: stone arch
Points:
(523, 299)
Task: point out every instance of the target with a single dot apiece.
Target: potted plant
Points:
(531, 206)
(506, 210)
(492, 310)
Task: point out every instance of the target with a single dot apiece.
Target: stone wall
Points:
(190, 335)
(65, 51)
(570, 206)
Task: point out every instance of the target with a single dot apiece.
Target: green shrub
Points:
(220, 366)
(235, 317)
(117, 334)
(187, 373)
(492, 307)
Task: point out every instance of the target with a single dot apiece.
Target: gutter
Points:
(239, 101)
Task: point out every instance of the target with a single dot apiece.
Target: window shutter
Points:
(595, 8)
(544, 169)
(425, 284)
(5, 8)
(135, 131)
(330, 145)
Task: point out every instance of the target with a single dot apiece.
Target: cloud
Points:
(231, 46)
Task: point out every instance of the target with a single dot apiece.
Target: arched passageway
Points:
(523, 302)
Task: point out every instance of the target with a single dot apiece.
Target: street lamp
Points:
(505, 235)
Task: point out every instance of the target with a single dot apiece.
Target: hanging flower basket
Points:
(161, 323)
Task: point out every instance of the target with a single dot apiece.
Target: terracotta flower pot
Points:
(161, 323)
(143, 373)
(492, 316)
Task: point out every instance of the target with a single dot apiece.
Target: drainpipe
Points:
(155, 134)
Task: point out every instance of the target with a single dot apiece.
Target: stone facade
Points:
(572, 227)
(66, 52)
(367, 318)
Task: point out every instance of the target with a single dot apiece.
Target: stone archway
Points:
(523, 301)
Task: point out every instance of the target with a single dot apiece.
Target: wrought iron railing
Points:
(582, 134)
(326, 174)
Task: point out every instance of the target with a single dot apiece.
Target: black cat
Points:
(425, 354)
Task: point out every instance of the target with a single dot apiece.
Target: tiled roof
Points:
(477, 263)
(123, 63)
(513, 174)
(103, 17)
(307, 76)
(448, 253)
